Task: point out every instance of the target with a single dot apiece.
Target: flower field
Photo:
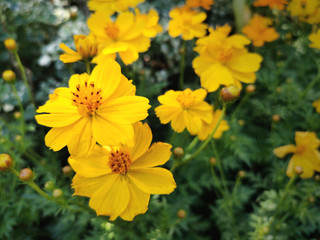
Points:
(160, 120)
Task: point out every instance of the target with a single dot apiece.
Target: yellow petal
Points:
(87, 186)
(249, 62)
(112, 198)
(193, 123)
(57, 138)
(178, 123)
(129, 56)
(158, 154)
(57, 119)
(142, 140)
(284, 150)
(125, 88)
(167, 113)
(61, 105)
(153, 180)
(68, 58)
(138, 202)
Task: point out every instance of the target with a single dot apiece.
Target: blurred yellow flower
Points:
(206, 4)
(184, 109)
(224, 60)
(316, 104)
(112, 5)
(207, 129)
(306, 10)
(124, 35)
(187, 22)
(97, 108)
(315, 39)
(305, 154)
(151, 27)
(119, 180)
(259, 32)
(279, 4)
(86, 46)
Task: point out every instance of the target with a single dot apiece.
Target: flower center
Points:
(186, 99)
(224, 55)
(112, 30)
(119, 161)
(300, 149)
(87, 98)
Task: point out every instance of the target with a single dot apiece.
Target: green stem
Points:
(23, 128)
(220, 167)
(173, 137)
(192, 144)
(204, 144)
(88, 67)
(311, 84)
(24, 77)
(182, 64)
(243, 101)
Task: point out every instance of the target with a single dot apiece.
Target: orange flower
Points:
(279, 4)
(206, 4)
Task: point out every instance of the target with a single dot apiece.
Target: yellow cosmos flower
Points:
(151, 27)
(305, 154)
(316, 104)
(112, 5)
(279, 4)
(119, 180)
(306, 10)
(224, 60)
(97, 108)
(315, 39)
(124, 35)
(259, 32)
(206, 4)
(207, 128)
(87, 48)
(187, 22)
(184, 109)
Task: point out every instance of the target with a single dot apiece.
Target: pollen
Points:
(186, 98)
(112, 30)
(119, 161)
(87, 98)
(225, 55)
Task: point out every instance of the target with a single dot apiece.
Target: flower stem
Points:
(182, 64)
(23, 129)
(311, 84)
(88, 67)
(24, 77)
(192, 144)
(204, 144)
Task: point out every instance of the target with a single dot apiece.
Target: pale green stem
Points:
(243, 101)
(23, 128)
(24, 77)
(204, 144)
(182, 64)
(311, 84)
(192, 144)
(173, 137)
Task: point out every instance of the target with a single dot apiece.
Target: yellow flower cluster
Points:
(128, 34)
(259, 32)
(315, 39)
(306, 156)
(306, 10)
(224, 60)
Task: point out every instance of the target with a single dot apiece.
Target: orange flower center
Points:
(300, 149)
(186, 99)
(87, 98)
(119, 161)
(112, 30)
(225, 55)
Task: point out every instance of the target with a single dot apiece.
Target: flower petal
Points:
(153, 180)
(142, 140)
(84, 186)
(284, 150)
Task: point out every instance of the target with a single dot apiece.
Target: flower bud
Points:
(26, 174)
(266, 230)
(181, 214)
(298, 170)
(8, 76)
(241, 122)
(67, 170)
(250, 88)
(213, 161)
(229, 94)
(17, 115)
(311, 199)
(317, 177)
(49, 185)
(178, 152)
(57, 193)
(275, 118)
(10, 44)
(241, 174)
(18, 138)
(5, 161)
(73, 12)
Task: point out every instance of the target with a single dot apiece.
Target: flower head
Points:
(224, 60)
(207, 129)
(206, 4)
(120, 179)
(306, 10)
(86, 49)
(315, 39)
(316, 104)
(279, 4)
(259, 32)
(184, 109)
(187, 22)
(112, 5)
(151, 27)
(98, 108)
(305, 154)
(5, 161)
(10, 44)
(8, 76)
(124, 36)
